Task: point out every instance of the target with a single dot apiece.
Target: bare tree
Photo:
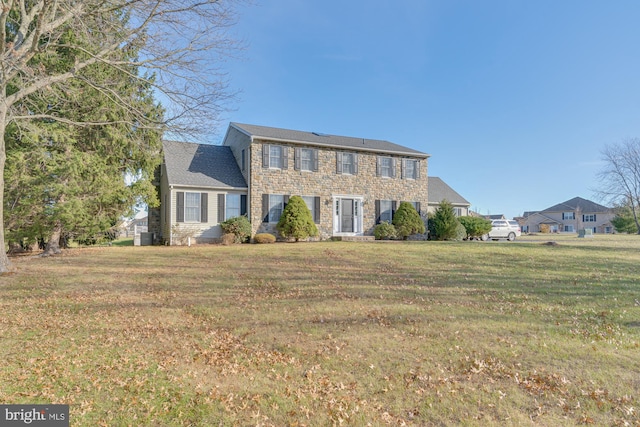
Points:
(620, 177)
(181, 43)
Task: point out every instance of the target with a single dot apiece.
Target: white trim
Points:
(358, 215)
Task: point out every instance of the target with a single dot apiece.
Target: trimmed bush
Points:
(461, 232)
(407, 221)
(296, 220)
(475, 226)
(264, 238)
(385, 231)
(239, 226)
(228, 239)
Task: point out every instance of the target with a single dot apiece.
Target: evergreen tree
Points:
(444, 222)
(407, 221)
(296, 220)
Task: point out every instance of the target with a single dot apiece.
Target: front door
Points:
(346, 215)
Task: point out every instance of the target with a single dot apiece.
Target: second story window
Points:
(346, 163)
(306, 159)
(274, 156)
(386, 166)
(568, 215)
(589, 218)
(410, 169)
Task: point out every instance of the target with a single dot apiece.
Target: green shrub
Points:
(407, 221)
(296, 220)
(228, 239)
(460, 232)
(239, 226)
(475, 226)
(264, 238)
(385, 231)
(444, 223)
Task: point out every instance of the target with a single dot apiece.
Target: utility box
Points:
(146, 239)
(585, 232)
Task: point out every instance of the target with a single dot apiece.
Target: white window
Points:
(410, 169)
(348, 164)
(313, 203)
(232, 206)
(457, 211)
(568, 215)
(192, 207)
(386, 210)
(306, 159)
(386, 167)
(275, 156)
(568, 228)
(589, 218)
(276, 206)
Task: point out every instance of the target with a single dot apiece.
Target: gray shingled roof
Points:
(578, 203)
(439, 190)
(321, 139)
(201, 165)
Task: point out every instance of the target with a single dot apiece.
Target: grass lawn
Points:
(332, 333)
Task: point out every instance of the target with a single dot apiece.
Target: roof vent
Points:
(319, 134)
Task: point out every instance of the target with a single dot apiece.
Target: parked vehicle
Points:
(503, 229)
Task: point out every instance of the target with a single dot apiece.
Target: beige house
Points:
(570, 217)
(439, 191)
(349, 184)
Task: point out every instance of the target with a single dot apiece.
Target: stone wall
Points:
(326, 183)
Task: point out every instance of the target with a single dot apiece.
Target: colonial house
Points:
(570, 217)
(439, 191)
(349, 184)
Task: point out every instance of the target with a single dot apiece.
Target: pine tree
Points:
(444, 222)
(296, 220)
(407, 221)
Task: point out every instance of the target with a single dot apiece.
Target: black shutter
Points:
(265, 155)
(265, 208)
(355, 163)
(377, 211)
(418, 207)
(393, 167)
(339, 163)
(180, 206)
(417, 163)
(286, 201)
(204, 207)
(243, 204)
(316, 210)
(296, 158)
(393, 209)
(314, 159)
(285, 157)
(221, 207)
(378, 165)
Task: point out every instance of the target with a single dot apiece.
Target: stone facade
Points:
(325, 184)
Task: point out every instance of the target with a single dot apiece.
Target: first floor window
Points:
(568, 228)
(192, 207)
(313, 203)
(272, 206)
(385, 210)
(457, 211)
(233, 206)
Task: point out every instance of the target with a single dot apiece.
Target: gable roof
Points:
(324, 140)
(201, 165)
(578, 203)
(439, 190)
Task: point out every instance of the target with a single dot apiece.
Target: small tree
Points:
(407, 221)
(239, 226)
(385, 231)
(624, 221)
(296, 220)
(475, 226)
(444, 222)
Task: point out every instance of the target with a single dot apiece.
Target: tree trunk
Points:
(53, 245)
(5, 264)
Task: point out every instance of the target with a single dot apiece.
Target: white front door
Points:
(347, 217)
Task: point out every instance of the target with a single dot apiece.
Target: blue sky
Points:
(513, 100)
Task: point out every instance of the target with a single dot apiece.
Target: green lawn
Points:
(332, 333)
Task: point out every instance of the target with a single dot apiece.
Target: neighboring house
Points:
(496, 216)
(349, 184)
(569, 217)
(439, 191)
(137, 226)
